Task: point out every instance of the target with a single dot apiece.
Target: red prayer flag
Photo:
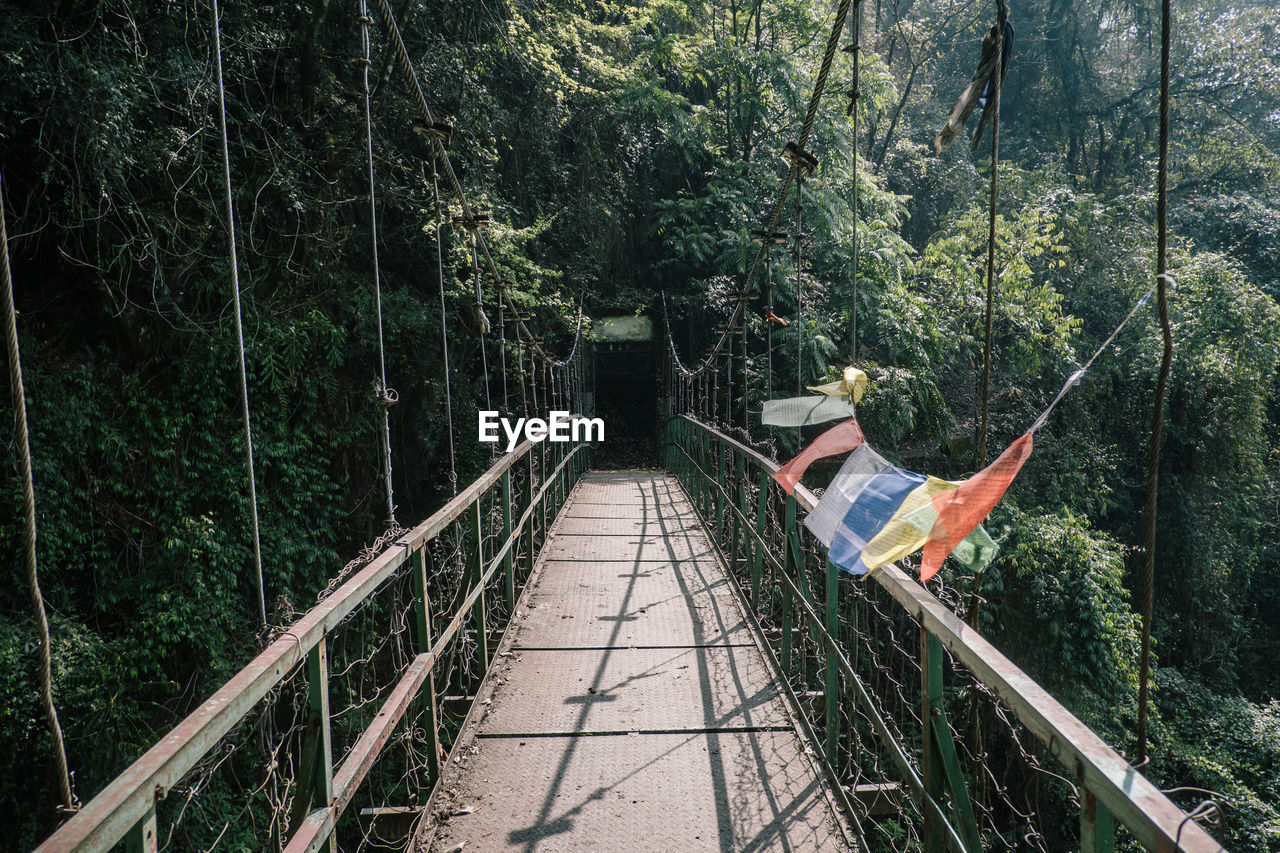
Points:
(963, 509)
(841, 438)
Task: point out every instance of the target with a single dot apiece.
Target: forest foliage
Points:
(626, 149)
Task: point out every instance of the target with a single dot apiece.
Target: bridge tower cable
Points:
(799, 156)
(997, 85)
(386, 396)
(480, 246)
(855, 94)
(235, 291)
(1163, 279)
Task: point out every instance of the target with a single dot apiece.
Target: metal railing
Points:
(277, 756)
(931, 737)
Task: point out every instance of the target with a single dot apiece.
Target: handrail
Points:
(127, 804)
(1153, 819)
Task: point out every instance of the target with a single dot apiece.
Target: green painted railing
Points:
(294, 780)
(881, 670)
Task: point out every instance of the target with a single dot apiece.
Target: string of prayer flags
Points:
(852, 384)
(874, 513)
(805, 411)
(841, 438)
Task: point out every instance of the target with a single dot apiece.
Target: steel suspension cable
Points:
(444, 325)
(481, 319)
(1162, 381)
(386, 395)
(235, 290)
(997, 86)
(854, 96)
(23, 442)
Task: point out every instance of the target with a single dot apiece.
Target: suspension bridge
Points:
(658, 660)
(565, 658)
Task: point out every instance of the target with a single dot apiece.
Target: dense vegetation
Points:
(626, 149)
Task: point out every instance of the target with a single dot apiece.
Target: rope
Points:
(1166, 361)
(386, 396)
(235, 289)
(69, 802)
(799, 288)
(444, 327)
(1074, 379)
(997, 85)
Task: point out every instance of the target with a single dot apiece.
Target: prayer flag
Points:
(841, 438)
(859, 502)
(975, 92)
(853, 384)
(959, 511)
(805, 411)
(874, 513)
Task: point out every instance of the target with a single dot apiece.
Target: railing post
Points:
(757, 556)
(531, 491)
(930, 760)
(941, 761)
(720, 496)
(833, 698)
(561, 479)
(422, 614)
(315, 774)
(477, 578)
(790, 566)
(1097, 825)
(509, 540)
(540, 447)
(798, 575)
(741, 538)
(142, 835)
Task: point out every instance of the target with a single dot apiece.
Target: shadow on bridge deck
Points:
(629, 707)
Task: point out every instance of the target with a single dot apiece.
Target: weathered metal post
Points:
(757, 556)
(315, 774)
(509, 561)
(422, 615)
(833, 698)
(142, 836)
(742, 544)
(941, 763)
(530, 491)
(476, 574)
(1097, 825)
(930, 760)
(791, 567)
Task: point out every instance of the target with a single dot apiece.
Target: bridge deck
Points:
(630, 708)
